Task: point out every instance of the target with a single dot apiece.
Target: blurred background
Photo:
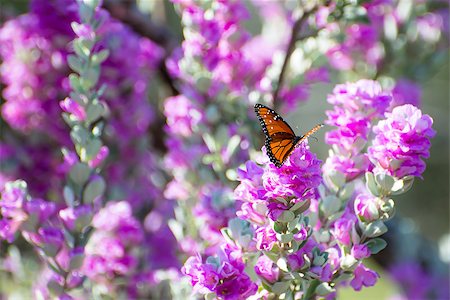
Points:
(421, 226)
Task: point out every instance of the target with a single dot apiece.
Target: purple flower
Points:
(295, 261)
(266, 269)
(51, 240)
(182, 115)
(299, 175)
(366, 207)
(72, 107)
(110, 251)
(343, 229)
(360, 251)
(98, 159)
(363, 277)
(350, 167)
(401, 142)
(265, 238)
(222, 274)
(355, 106)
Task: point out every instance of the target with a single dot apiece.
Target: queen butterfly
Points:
(280, 138)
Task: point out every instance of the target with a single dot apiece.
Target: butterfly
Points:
(280, 138)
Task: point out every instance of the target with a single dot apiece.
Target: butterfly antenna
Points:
(314, 138)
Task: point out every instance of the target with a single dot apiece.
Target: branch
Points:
(291, 47)
(128, 13)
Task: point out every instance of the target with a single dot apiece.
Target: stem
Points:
(290, 49)
(311, 289)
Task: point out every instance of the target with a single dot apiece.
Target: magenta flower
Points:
(265, 238)
(402, 140)
(182, 115)
(298, 177)
(72, 107)
(363, 277)
(360, 251)
(366, 207)
(343, 229)
(266, 269)
(223, 274)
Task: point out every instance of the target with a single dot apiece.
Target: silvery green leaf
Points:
(76, 261)
(387, 205)
(346, 276)
(330, 205)
(79, 135)
(75, 63)
(371, 184)
(231, 174)
(212, 113)
(80, 173)
(285, 237)
(385, 182)
(75, 84)
(176, 228)
(94, 189)
(282, 264)
(69, 196)
(337, 178)
(85, 12)
(346, 191)
(215, 261)
(92, 148)
(54, 287)
(210, 142)
(375, 229)
(210, 296)
(233, 144)
(100, 57)
(203, 83)
(271, 255)
(265, 286)
(324, 289)
(279, 227)
(402, 185)
(94, 111)
(376, 245)
(292, 225)
(280, 287)
(320, 259)
(300, 207)
(286, 216)
(348, 262)
(81, 49)
(89, 78)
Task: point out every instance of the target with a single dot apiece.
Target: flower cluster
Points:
(222, 274)
(111, 252)
(356, 106)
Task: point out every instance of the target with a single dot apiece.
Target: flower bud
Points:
(366, 208)
(360, 251)
(52, 240)
(72, 107)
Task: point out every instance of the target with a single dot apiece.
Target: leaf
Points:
(375, 229)
(69, 196)
(100, 57)
(286, 216)
(371, 185)
(75, 63)
(280, 287)
(376, 245)
(94, 189)
(80, 173)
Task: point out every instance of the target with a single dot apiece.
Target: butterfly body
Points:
(280, 138)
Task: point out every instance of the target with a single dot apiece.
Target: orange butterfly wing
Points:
(280, 138)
